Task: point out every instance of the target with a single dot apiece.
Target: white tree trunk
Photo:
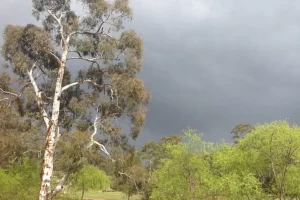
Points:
(52, 134)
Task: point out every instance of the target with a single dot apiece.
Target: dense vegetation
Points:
(49, 121)
(264, 164)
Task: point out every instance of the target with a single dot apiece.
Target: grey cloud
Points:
(212, 64)
(236, 63)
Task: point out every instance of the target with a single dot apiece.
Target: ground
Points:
(95, 195)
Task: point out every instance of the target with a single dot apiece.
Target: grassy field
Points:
(95, 195)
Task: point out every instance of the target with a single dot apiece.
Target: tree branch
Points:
(81, 82)
(61, 28)
(10, 93)
(38, 94)
(102, 147)
(84, 58)
(59, 186)
(136, 187)
(55, 56)
(92, 142)
(93, 59)
(90, 33)
(4, 99)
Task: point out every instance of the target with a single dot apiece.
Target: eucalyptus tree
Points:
(93, 44)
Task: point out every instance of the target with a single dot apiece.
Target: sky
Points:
(211, 64)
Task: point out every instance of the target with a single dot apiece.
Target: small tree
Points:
(41, 57)
(273, 152)
(90, 178)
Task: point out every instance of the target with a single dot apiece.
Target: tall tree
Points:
(240, 131)
(40, 57)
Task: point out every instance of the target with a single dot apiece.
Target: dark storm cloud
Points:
(212, 64)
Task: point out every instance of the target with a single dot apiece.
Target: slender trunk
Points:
(47, 170)
(82, 192)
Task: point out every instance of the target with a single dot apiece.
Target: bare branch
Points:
(90, 33)
(92, 142)
(99, 30)
(38, 152)
(102, 147)
(13, 94)
(59, 186)
(38, 94)
(4, 99)
(95, 59)
(136, 187)
(81, 57)
(85, 59)
(61, 28)
(103, 22)
(55, 56)
(81, 82)
(10, 93)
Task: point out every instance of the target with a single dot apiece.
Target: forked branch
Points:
(15, 95)
(61, 28)
(102, 147)
(38, 94)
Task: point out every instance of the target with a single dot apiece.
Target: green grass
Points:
(98, 195)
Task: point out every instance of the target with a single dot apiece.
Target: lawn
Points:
(98, 195)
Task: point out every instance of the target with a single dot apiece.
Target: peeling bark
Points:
(47, 171)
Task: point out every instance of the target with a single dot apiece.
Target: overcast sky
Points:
(211, 64)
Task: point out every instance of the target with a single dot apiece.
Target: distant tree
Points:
(41, 61)
(128, 173)
(240, 130)
(151, 155)
(90, 178)
(152, 152)
(181, 174)
(201, 170)
(272, 152)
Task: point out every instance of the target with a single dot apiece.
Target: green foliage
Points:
(264, 163)
(39, 59)
(73, 153)
(20, 181)
(200, 170)
(273, 154)
(112, 73)
(129, 175)
(18, 137)
(89, 178)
